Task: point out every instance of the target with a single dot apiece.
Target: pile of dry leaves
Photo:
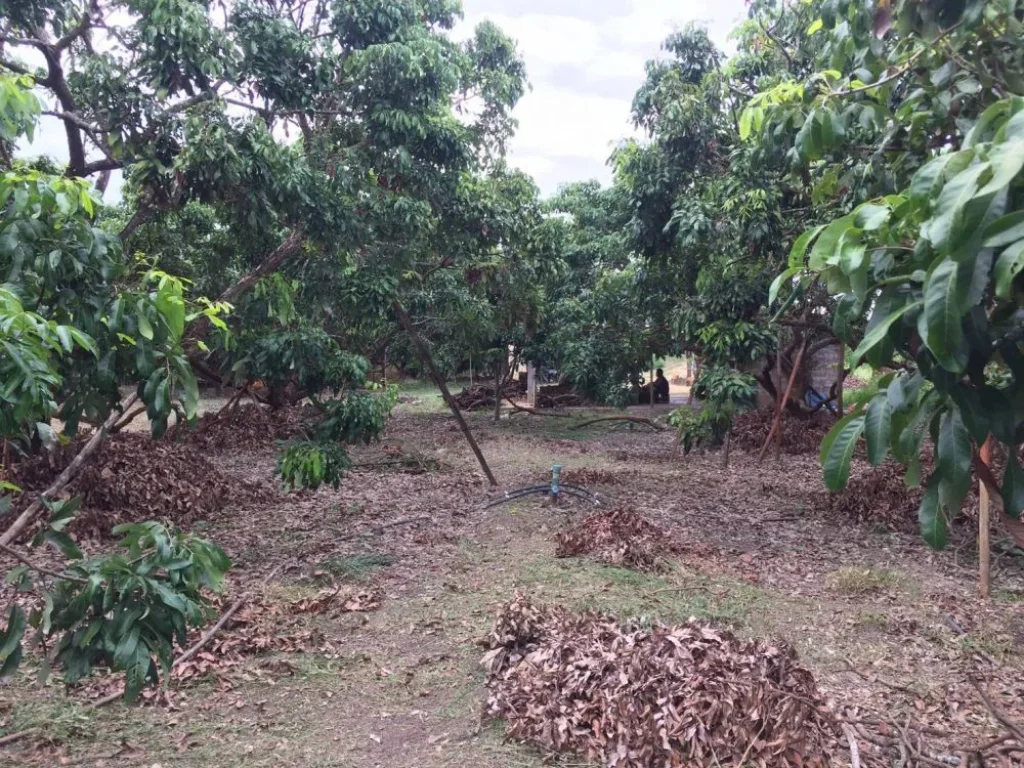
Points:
(589, 476)
(875, 495)
(637, 697)
(136, 478)
(800, 434)
(618, 537)
(244, 426)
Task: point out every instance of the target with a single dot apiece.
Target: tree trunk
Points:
(725, 451)
(270, 264)
(424, 353)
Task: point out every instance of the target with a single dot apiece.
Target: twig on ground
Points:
(10, 738)
(36, 567)
(534, 411)
(854, 749)
(634, 419)
(1006, 722)
(876, 679)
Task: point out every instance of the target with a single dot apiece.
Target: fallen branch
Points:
(68, 474)
(887, 684)
(1005, 721)
(379, 529)
(854, 749)
(633, 419)
(128, 419)
(534, 411)
(201, 643)
(10, 738)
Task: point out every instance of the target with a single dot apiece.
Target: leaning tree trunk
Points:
(424, 353)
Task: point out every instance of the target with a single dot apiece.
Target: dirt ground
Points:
(890, 629)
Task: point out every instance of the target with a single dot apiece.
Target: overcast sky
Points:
(584, 59)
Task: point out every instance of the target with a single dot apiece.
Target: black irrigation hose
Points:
(519, 493)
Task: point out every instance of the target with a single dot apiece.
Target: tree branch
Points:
(36, 567)
(900, 71)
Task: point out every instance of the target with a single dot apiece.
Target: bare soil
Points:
(890, 629)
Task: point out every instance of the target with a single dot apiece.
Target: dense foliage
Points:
(910, 118)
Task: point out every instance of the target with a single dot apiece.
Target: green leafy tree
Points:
(924, 249)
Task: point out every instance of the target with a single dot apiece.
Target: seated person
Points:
(660, 387)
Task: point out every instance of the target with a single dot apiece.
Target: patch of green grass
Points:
(873, 620)
(861, 580)
(1008, 595)
(57, 721)
(357, 567)
(421, 396)
(630, 594)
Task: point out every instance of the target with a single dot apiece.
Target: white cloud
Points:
(574, 61)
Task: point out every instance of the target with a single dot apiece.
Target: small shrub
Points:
(309, 465)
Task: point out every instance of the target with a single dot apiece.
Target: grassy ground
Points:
(401, 686)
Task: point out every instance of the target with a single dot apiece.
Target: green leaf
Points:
(10, 638)
(1008, 266)
(879, 331)
(796, 253)
(945, 229)
(815, 26)
(139, 668)
(746, 121)
(942, 315)
(928, 178)
(63, 543)
(930, 517)
(840, 453)
(954, 454)
(988, 119)
(145, 329)
(1005, 230)
(871, 216)
(124, 652)
(827, 242)
(778, 282)
(1008, 160)
(877, 426)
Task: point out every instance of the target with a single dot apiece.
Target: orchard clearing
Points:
(364, 649)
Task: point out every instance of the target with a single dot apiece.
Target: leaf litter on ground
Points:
(633, 696)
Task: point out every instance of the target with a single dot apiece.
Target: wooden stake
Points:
(777, 423)
(984, 546)
(499, 379)
(840, 379)
(778, 386)
(424, 353)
